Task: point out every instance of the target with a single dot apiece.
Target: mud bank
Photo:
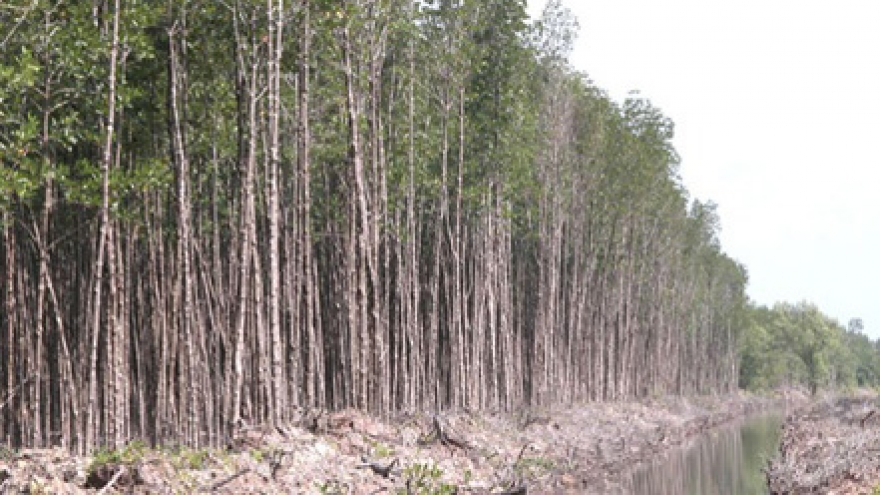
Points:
(585, 449)
(829, 447)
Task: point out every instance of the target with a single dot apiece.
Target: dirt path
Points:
(830, 447)
(587, 449)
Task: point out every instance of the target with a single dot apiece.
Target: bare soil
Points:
(830, 447)
(585, 449)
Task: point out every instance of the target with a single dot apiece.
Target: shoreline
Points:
(589, 448)
(830, 446)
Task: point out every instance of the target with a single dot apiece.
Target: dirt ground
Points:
(830, 447)
(584, 449)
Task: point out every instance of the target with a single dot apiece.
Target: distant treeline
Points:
(798, 345)
(216, 213)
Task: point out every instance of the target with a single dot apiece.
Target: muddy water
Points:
(726, 461)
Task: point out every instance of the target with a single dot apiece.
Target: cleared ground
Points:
(831, 447)
(584, 449)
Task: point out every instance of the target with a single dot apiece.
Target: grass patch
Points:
(531, 467)
(424, 479)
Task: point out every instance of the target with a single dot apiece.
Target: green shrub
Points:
(381, 450)
(128, 455)
(424, 479)
(190, 459)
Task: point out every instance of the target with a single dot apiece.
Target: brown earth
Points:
(584, 449)
(830, 447)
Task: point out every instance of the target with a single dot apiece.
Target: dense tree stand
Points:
(220, 215)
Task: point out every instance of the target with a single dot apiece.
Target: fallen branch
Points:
(113, 480)
(221, 483)
(867, 417)
(382, 470)
(106, 475)
(515, 490)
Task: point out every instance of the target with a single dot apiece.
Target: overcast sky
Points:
(777, 111)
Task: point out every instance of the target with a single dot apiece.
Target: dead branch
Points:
(515, 490)
(221, 483)
(382, 470)
(113, 480)
(110, 474)
(867, 417)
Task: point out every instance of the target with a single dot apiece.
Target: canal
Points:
(726, 461)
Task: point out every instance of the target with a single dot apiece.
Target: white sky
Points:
(777, 111)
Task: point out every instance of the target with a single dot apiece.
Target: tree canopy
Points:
(798, 345)
(217, 213)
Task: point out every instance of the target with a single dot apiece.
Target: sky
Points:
(776, 105)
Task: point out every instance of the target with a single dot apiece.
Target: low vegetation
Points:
(425, 479)
(797, 345)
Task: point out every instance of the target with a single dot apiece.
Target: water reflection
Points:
(727, 461)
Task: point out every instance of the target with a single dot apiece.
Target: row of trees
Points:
(221, 212)
(798, 345)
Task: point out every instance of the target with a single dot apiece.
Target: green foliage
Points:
(192, 459)
(756, 366)
(258, 454)
(425, 479)
(380, 450)
(265, 454)
(128, 455)
(798, 345)
(332, 487)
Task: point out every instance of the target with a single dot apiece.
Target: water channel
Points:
(725, 461)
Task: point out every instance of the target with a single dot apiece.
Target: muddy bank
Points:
(587, 449)
(829, 447)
